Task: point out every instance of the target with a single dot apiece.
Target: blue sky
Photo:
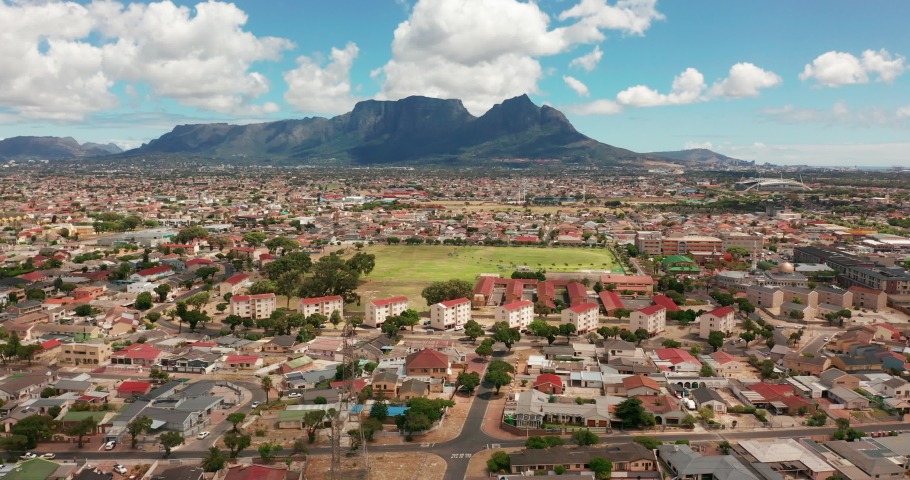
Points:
(809, 82)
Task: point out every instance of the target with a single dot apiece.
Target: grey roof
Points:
(386, 376)
(617, 344)
(311, 376)
(284, 340)
(703, 395)
(687, 462)
(72, 385)
(196, 389)
(164, 390)
(829, 289)
(832, 374)
(415, 386)
(845, 394)
(794, 306)
(168, 415)
(183, 472)
(869, 457)
(199, 403)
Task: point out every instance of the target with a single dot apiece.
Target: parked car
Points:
(428, 322)
(49, 456)
(203, 435)
(28, 456)
(120, 469)
(553, 429)
(256, 404)
(293, 395)
(322, 325)
(827, 339)
(110, 445)
(459, 327)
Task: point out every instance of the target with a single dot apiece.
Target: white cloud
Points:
(822, 155)
(687, 88)
(589, 61)
(597, 107)
(314, 89)
(745, 80)
(580, 88)
(841, 114)
(834, 69)
(483, 51)
(694, 145)
(55, 68)
(903, 112)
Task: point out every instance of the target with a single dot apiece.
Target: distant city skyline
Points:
(814, 83)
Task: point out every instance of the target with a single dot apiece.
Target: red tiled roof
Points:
(134, 387)
(721, 312)
(636, 381)
(255, 472)
(665, 302)
(310, 301)
(197, 261)
(722, 357)
(427, 358)
(517, 304)
(652, 309)
(242, 359)
(484, 286)
(675, 356)
(237, 278)
(771, 392)
(31, 277)
(153, 271)
(138, 350)
(246, 298)
(576, 289)
(584, 307)
(452, 303)
(610, 300)
(548, 378)
(50, 344)
(387, 301)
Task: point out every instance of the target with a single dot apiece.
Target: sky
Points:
(816, 82)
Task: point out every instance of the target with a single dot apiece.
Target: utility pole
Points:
(345, 402)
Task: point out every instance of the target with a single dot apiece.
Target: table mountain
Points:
(412, 130)
(53, 147)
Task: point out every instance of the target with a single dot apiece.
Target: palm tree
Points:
(214, 460)
(266, 385)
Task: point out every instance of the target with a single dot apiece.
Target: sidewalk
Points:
(493, 417)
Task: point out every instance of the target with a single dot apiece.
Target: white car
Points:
(459, 327)
(120, 469)
(49, 456)
(28, 456)
(203, 435)
(110, 445)
(256, 404)
(827, 339)
(293, 395)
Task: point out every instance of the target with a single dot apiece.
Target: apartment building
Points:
(653, 319)
(835, 296)
(692, 244)
(321, 305)
(893, 280)
(85, 353)
(450, 314)
(518, 314)
(640, 284)
(766, 297)
(805, 296)
(584, 316)
(869, 298)
(751, 242)
(720, 319)
(829, 256)
(253, 306)
(649, 242)
(233, 285)
(378, 310)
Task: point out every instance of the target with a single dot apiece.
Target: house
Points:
(709, 398)
(85, 353)
(133, 389)
(726, 365)
(636, 385)
(23, 387)
(583, 315)
(874, 460)
(244, 362)
(688, 464)
(141, 354)
(765, 297)
(798, 363)
(280, 344)
(321, 305)
(253, 306)
(615, 347)
(378, 310)
(639, 284)
(896, 387)
(88, 293)
(427, 363)
(720, 319)
(257, 472)
(449, 314)
(22, 308)
(630, 460)
(518, 314)
(191, 361)
(678, 360)
(183, 472)
(413, 388)
(838, 378)
(666, 409)
(577, 293)
(152, 274)
(787, 451)
(385, 382)
(848, 398)
(233, 285)
(653, 319)
(532, 408)
(548, 383)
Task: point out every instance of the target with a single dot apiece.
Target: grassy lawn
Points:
(406, 270)
(879, 413)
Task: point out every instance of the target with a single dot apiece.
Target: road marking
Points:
(427, 445)
(494, 445)
(461, 455)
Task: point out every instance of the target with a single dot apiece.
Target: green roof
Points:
(34, 469)
(72, 416)
(299, 362)
(290, 415)
(683, 269)
(677, 259)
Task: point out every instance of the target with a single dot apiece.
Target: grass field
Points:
(406, 270)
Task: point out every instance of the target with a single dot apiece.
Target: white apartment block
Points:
(253, 306)
(449, 314)
(378, 310)
(584, 316)
(653, 319)
(321, 305)
(650, 242)
(518, 314)
(720, 319)
(751, 242)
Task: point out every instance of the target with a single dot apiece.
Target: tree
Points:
(501, 365)
(628, 336)
(508, 336)
(647, 442)
(695, 350)
(379, 411)
(469, 381)
(298, 262)
(153, 316)
(48, 392)
(233, 321)
(144, 301)
(601, 467)
(796, 314)
(236, 443)
(737, 252)
(566, 329)
(747, 336)
(724, 447)
(473, 330)
(14, 443)
(536, 443)
(170, 440)
(262, 286)
(706, 371)
(54, 411)
(670, 343)
(842, 423)
(331, 276)
(484, 350)
(542, 309)
(198, 300)
(236, 418)
(498, 378)
(266, 385)
(267, 451)
(187, 235)
(641, 334)
(716, 339)
(554, 440)
(499, 462)
(335, 318)
(621, 313)
(689, 421)
(312, 420)
(84, 427)
(254, 239)
(610, 332)
(631, 413)
(286, 244)
(214, 460)
(364, 263)
(137, 427)
(36, 294)
(706, 414)
(584, 437)
(409, 318)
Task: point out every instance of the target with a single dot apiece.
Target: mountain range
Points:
(703, 156)
(412, 131)
(53, 147)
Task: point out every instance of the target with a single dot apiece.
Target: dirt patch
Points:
(477, 467)
(450, 429)
(383, 466)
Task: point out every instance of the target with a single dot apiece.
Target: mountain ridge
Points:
(703, 155)
(53, 147)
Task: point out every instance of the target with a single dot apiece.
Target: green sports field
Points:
(406, 270)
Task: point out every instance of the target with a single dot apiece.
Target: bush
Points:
(261, 433)
(742, 409)
(761, 415)
(409, 439)
(559, 469)
(682, 442)
(647, 442)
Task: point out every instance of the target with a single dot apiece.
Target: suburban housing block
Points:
(378, 310)
(518, 314)
(449, 314)
(321, 305)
